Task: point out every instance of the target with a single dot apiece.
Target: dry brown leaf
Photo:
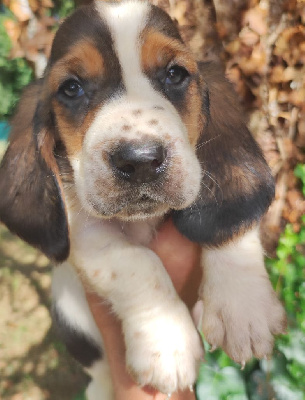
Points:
(291, 45)
(13, 29)
(290, 74)
(34, 4)
(277, 74)
(21, 9)
(47, 3)
(283, 96)
(284, 115)
(234, 75)
(290, 5)
(301, 129)
(255, 18)
(233, 47)
(179, 13)
(293, 197)
(256, 63)
(297, 97)
(248, 37)
(289, 148)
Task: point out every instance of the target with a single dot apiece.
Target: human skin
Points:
(181, 260)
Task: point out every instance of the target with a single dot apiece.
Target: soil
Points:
(34, 364)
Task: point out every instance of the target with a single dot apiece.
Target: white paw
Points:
(164, 350)
(243, 318)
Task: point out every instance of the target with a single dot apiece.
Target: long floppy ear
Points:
(237, 186)
(31, 201)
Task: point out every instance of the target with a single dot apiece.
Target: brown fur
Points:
(82, 60)
(29, 182)
(158, 51)
(237, 185)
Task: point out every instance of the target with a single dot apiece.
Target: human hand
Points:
(181, 260)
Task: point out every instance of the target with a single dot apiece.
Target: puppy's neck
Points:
(138, 232)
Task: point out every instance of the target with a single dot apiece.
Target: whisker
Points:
(212, 179)
(59, 156)
(206, 142)
(206, 186)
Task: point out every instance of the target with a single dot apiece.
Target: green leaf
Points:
(295, 348)
(14, 74)
(285, 390)
(80, 396)
(221, 384)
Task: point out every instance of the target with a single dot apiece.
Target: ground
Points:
(34, 364)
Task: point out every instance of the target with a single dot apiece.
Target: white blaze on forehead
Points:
(126, 21)
(128, 115)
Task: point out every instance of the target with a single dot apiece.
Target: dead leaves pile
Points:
(266, 62)
(31, 31)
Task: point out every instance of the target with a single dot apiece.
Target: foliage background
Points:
(261, 45)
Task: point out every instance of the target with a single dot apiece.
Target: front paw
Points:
(163, 350)
(243, 319)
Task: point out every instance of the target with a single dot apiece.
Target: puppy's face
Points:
(126, 96)
(119, 123)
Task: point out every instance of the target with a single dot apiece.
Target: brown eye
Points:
(176, 75)
(72, 89)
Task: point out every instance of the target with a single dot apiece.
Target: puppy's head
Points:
(126, 96)
(126, 112)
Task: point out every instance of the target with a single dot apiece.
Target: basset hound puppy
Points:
(125, 128)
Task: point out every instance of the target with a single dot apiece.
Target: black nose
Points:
(139, 163)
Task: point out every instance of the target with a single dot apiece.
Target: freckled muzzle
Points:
(139, 162)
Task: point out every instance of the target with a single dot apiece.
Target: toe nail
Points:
(243, 364)
(191, 388)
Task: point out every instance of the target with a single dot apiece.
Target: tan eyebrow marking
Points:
(83, 60)
(158, 50)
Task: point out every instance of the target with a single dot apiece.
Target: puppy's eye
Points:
(72, 89)
(176, 75)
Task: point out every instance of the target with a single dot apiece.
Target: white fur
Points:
(126, 21)
(100, 388)
(240, 310)
(162, 345)
(71, 302)
(91, 171)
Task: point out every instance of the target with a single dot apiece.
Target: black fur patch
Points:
(84, 23)
(82, 347)
(162, 22)
(237, 186)
(213, 224)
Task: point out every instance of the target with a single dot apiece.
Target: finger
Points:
(181, 258)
